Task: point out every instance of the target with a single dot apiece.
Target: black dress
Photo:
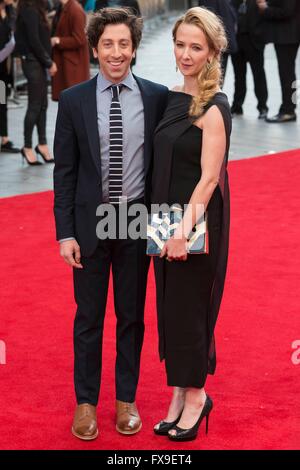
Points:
(189, 293)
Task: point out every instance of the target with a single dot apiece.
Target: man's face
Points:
(115, 52)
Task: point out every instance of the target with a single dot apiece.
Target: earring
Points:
(176, 68)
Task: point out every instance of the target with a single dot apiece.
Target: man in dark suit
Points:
(282, 28)
(250, 39)
(97, 163)
(224, 9)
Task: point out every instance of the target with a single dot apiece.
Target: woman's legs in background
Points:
(37, 105)
(42, 119)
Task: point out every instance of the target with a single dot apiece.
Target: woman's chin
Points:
(188, 73)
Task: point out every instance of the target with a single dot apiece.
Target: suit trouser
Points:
(286, 57)
(249, 53)
(224, 63)
(129, 264)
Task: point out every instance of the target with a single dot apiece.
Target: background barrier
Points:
(151, 8)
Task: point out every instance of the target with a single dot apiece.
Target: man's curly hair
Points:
(108, 16)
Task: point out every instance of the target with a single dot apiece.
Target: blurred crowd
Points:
(250, 25)
(48, 38)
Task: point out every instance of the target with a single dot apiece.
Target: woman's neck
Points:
(191, 86)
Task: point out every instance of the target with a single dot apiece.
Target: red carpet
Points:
(256, 388)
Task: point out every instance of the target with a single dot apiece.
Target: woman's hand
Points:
(53, 69)
(175, 249)
(55, 41)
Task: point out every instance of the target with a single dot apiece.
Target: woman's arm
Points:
(7, 49)
(77, 38)
(212, 157)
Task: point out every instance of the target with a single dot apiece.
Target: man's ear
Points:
(134, 54)
(95, 53)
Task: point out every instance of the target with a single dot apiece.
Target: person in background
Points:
(34, 46)
(133, 4)
(7, 44)
(250, 39)
(88, 5)
(225, 10)
(100, 4)
(70, 47)
(282, 28)
(51, 8)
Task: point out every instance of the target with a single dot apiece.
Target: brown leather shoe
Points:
(128, 418)
(85, 422)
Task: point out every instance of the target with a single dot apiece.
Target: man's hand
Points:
(70, 251)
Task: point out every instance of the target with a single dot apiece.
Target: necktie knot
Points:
(115, 91)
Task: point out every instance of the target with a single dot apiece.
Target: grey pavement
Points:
(155, 61)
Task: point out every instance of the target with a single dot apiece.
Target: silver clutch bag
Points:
(161, 226)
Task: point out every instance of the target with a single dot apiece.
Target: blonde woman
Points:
(190, 159)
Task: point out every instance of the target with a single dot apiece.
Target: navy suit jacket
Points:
(77, 171)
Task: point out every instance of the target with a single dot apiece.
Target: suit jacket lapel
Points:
(149, 121)
(89, 108)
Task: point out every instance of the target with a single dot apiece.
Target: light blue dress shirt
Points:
(133, 135)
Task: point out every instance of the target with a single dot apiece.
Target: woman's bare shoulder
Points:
(177, 88)
(211, 119)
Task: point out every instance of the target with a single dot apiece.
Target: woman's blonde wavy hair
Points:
(210, 77)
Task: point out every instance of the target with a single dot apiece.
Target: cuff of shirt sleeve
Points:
(65, 239)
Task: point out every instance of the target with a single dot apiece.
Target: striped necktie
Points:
(115, 147)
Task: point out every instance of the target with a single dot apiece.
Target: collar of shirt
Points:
(103, 84)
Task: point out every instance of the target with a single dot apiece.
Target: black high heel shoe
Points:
(25, 158)
(46, 160)
(165, 426)
(191, 433)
